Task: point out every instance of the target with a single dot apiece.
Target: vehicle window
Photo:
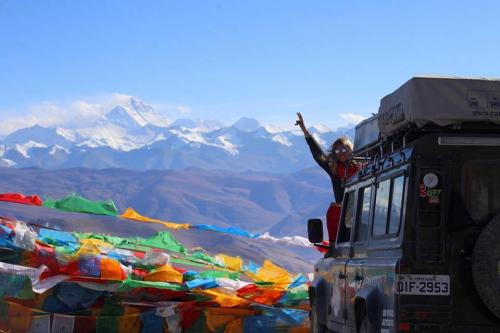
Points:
(388, 206)
(381, 207)
(396, 204)
(348, 217)
(364, 214)
(481, 188)
(349, 213)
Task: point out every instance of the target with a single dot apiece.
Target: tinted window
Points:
(381, 207)
(481, 188)
(396, 204)
(388, 206)
(364, 214)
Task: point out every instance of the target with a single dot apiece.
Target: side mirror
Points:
(315, 230)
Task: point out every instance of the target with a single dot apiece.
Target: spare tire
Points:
(486, 265)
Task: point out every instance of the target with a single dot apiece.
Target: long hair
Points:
(332, 157)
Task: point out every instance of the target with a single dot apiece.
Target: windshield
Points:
(481, 188)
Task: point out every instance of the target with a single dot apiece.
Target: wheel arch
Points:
(367, 302)
(318, 299)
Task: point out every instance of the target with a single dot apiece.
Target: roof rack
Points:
(427, 104)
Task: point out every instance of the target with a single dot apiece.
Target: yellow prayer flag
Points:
(233, 263)
(19, 316)
(223, 299)
(230, 318)
(131, 214)
(165, 273)
(269, 272)
(91, 247)
(130, 322)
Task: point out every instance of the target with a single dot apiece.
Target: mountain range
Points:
(258, 178)
(255, 201)
(134, 136)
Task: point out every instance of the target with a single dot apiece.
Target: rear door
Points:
(384, 248)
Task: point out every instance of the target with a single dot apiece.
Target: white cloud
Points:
(183, 109)
(73, 114)
(9, 125)
(352, 118)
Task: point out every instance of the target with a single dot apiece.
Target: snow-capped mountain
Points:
(133, 135)
(49, 136)
(132, 115)
(247, 124)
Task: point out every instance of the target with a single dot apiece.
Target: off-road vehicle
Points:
(418, 245)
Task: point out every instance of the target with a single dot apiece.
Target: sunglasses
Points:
(342, 150)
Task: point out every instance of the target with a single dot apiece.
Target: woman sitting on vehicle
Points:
(339, 165)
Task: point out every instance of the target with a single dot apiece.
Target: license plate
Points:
(419, 284)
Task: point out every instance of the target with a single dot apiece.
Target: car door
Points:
(356, 266)
(336, 314)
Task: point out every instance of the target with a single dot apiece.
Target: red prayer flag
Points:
(21, 198)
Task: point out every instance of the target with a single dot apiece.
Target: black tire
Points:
(486, 265)
(316, 327)
(366, 326)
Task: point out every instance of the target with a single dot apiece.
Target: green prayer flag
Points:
(107, 321)
(186, 262)
(76, 203)
(4, 310)
(106, 324)
(131, 284)
(111, 308)
(114, 240)
(162, 240)
(204, 257)
(220, 274)
(297, 295)
(26, 290)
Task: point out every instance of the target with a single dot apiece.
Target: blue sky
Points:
(330, 60)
